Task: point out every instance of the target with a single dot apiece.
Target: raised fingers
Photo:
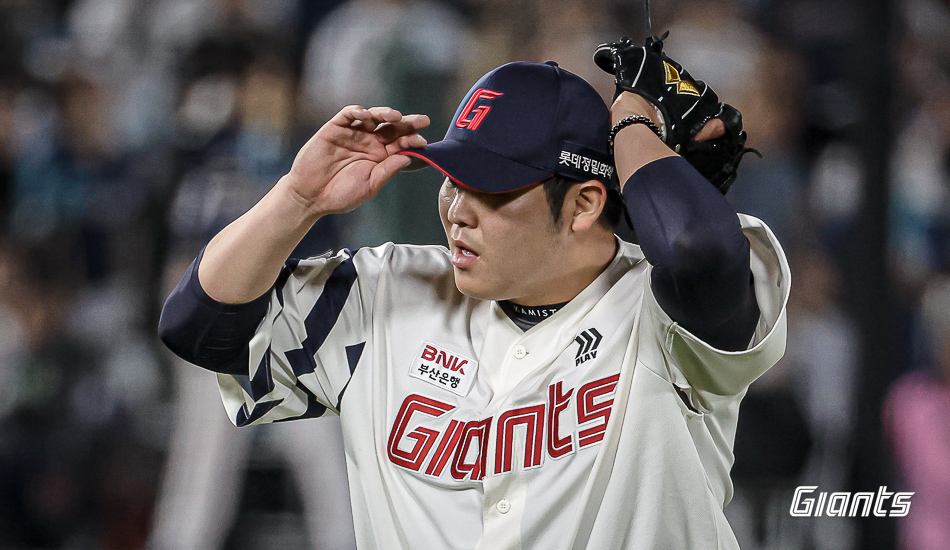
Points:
(357, 116)
(385, 114)
(390, 127)
(386, 121)
(370, 120)
(350, 115)
(405, 126)
(412, 141)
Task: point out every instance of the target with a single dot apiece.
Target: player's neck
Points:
(583, 263)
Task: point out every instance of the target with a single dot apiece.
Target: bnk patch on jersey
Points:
(443, 368)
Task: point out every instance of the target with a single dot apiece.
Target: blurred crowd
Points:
(132, 130)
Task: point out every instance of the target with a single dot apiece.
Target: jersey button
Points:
(520, 352)
(503, 506)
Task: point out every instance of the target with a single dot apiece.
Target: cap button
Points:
(551, 63)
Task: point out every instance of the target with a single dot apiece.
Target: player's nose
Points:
(461, 210)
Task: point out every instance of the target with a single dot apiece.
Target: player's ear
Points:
(586, 201)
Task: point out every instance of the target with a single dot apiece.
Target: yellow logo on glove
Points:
(682, 87)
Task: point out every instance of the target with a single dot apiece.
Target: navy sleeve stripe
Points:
(245, 382)
(315, 409)
(353, 354)
(285, 273)
(323, 316)
(263, 381)
(339, 398)
(260, 409)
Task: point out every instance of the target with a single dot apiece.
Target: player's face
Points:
(504, 246)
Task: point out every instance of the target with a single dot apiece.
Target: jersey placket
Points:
(507, 354)
(510, 358)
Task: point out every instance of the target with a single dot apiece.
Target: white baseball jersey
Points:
(606, 425)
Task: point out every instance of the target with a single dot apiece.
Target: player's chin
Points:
(470, 283)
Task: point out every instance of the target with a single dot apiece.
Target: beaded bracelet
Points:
(627, 121)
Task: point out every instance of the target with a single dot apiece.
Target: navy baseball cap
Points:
(521, 124)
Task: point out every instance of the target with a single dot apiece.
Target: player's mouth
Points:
(462, 256)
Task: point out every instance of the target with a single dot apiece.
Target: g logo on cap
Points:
(550, 121)
(477, 114)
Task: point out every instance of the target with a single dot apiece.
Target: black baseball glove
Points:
(683, 103)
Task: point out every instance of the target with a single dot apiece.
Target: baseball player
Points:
(538, 383)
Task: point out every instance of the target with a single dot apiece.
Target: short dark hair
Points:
(555, 189)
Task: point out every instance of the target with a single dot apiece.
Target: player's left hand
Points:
(630, 104)
(680, 105)
(631, 153)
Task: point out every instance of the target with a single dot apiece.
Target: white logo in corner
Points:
(848, 504)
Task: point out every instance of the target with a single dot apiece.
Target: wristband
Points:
(628, 121)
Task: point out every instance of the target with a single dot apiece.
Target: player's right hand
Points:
(352, 157)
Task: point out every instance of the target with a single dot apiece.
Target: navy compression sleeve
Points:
(690, 234)
(206, 332)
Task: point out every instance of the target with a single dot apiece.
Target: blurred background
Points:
(132, 130)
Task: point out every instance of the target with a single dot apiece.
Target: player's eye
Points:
(498, 200)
